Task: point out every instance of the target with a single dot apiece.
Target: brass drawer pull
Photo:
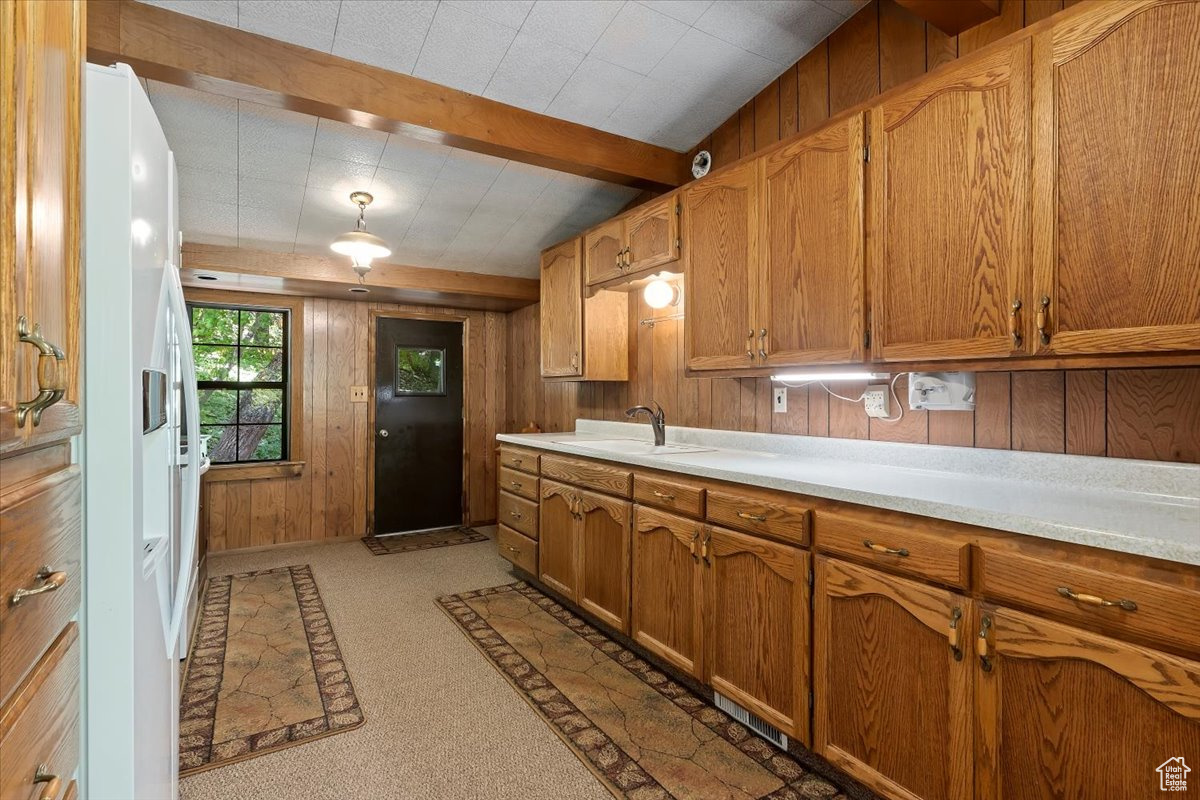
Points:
(1014, 324)
(515, 484)
(50, 373)
(49, 582)
(695, 536)
(704, 548)
(752, 517)
(663, 495)
(53, 782)
(891, 551)
(1093, 600)
(516, 462)
(515, 514)
(511, 549)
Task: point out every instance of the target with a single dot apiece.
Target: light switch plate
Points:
(780, 405)
(358, 394)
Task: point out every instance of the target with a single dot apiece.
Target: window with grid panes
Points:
(242, 373)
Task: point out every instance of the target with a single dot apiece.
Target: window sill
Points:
(219, 473)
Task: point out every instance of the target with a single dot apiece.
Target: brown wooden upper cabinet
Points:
(950, 195)
(720, 251)
(811, 305)
(1116, 192)
(583, 338)
(646, 238)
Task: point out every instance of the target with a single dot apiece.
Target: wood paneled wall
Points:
(328, 499)
(1132, 413)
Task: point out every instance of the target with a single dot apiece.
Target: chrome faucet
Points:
(658, 421)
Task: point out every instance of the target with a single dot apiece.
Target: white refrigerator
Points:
(141, 484)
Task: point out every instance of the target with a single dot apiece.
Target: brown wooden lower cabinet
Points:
(666, 617)
(1062, 712)
(892, 675)
(583, 550)
(756, 626)
(557, 564)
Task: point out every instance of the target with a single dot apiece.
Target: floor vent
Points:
(752, 721)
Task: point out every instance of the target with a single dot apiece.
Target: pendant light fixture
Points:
(361, 246)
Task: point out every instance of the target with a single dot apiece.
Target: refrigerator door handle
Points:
(189, 524)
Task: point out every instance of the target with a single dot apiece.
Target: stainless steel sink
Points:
(632, 447)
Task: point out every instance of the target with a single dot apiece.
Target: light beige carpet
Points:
(441, 722)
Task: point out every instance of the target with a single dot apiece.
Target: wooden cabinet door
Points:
(950, 213)
(892, 670)
(652, 234)
(720, 257)
(562, 310)
(811, 304)
(41, 67)
(1116, 192)
(756, 608)
(604, 251)
(1066, 713)
(666, 587)
(558, 557)
(603, 533)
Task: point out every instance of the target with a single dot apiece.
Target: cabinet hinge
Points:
(812, 700)
(678, 245)
(867, 153)
(867, 339)
(677, 208)
(811, 578)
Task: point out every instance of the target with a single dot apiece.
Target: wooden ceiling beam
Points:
(174, 48)
(239, 269)
(952, 18)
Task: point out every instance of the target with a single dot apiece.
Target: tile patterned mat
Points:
(644, 735)
(265, 671)
(404, 543)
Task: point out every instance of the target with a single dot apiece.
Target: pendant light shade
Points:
(361, 246)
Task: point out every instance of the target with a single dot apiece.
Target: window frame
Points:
(283, 385)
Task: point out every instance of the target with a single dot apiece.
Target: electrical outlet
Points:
(780, 400)
(358, 394)
(875, 401)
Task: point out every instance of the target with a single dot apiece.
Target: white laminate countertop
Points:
(1145, 507)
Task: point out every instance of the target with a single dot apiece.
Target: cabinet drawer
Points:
(678, 497)
(520, 550)
(519, 483)
(39, 527)
(1164, 614)
(588, 474)
(758, 515)
(519, 458)
(519, 513)
(936, 557)
(40, 724)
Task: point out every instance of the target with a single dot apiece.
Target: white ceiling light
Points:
(361, 246)
(659, 294)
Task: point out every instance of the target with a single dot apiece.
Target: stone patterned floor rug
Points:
(407, 542)
(644, 735)
(265, 671)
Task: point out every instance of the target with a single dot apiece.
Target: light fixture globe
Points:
(361, 246)
(658, 293)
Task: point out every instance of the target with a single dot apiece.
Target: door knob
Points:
(383, 433)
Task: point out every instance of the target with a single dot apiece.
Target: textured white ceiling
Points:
(265, 178)
(661, 71)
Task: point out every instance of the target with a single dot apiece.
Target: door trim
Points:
(373, 316)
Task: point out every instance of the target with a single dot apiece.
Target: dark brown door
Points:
(418, 425)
